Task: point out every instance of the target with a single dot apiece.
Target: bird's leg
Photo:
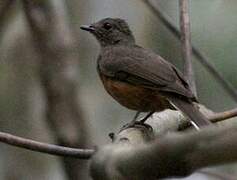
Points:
(136, 116)
(135, 123)
(134, 120)
(146, 117)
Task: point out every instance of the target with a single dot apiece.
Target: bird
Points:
(138, 78)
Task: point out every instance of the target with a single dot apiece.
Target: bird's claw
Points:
(136, 124)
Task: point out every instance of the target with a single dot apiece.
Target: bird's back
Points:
(139, 66)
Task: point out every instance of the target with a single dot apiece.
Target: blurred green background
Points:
(214, 32)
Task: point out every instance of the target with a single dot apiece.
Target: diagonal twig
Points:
(186, 44)
(217, 117)
(45, 148)
(197, 53)
(214, 118)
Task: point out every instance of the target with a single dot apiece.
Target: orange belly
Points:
(135, 97)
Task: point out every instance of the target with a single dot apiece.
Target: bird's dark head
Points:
(111, 31)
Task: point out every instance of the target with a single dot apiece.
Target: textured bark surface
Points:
(142, 153)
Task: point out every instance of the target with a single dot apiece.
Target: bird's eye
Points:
(107, 26)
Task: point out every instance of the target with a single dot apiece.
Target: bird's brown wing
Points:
(141, 67)
(138, 66)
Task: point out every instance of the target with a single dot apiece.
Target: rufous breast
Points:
(134, 97)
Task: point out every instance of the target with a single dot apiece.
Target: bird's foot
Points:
(136, 115)
(136, 124)
(143, 120)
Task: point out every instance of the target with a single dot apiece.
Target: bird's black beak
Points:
(87, 28)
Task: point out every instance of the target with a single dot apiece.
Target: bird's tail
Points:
(189, 109)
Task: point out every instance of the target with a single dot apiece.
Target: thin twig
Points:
(45, 148)
(200, 56)
(217, 117)
(186, 44)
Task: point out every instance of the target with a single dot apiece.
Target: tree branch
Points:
(167, 155)
(186, 44)
(132, 141)
(170, 155)
(217, 117)
(163, 122)
(45, 148)
(200, 56)
(213, 117)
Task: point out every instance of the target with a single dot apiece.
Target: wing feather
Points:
(139, 66)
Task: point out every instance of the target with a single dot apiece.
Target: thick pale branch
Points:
(161, 123)
(200, 56)
(173, 154)
(138, 137)
(44, 147)
(186, 44)
(167, 156)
